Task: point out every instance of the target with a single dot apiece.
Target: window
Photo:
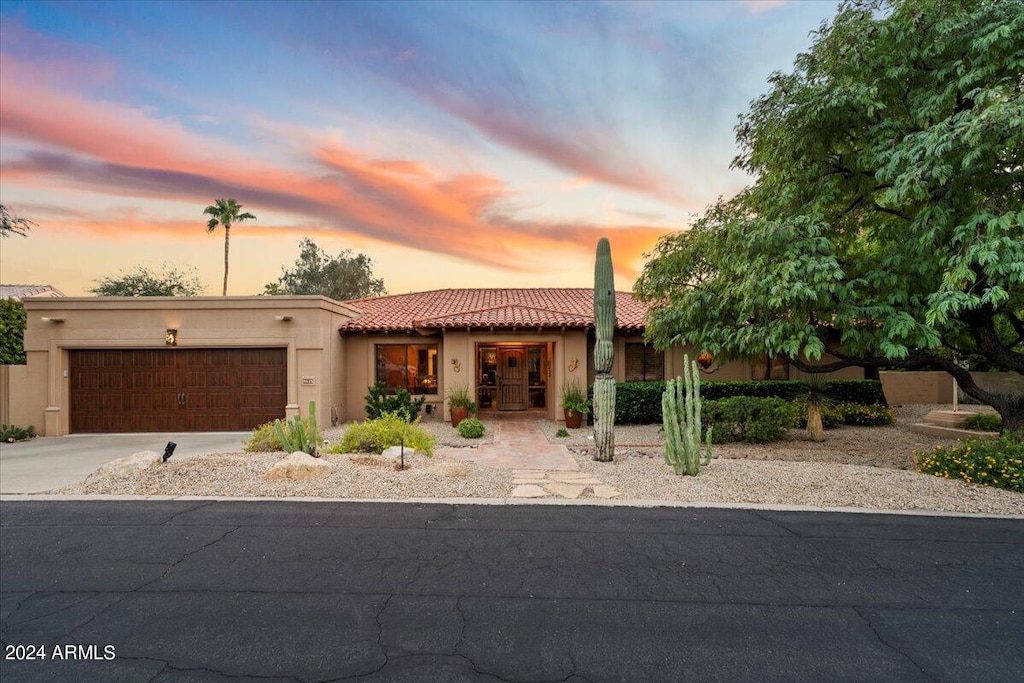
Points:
(412, 366)
(644, 363)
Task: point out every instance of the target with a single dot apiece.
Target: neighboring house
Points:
(167, 364)
(25, 291)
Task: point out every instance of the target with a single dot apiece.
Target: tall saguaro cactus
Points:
(604, 353)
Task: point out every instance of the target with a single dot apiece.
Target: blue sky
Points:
(457, 144)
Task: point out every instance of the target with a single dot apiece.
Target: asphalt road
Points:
(287, 591)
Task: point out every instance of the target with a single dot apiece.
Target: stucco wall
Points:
(905, 388)
(306, 326)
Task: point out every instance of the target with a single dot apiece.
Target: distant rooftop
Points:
(26, 291)
(548, 308)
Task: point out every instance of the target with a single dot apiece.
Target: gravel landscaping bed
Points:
(857, 467)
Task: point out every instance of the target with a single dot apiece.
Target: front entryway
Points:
(512, 377)
(169, 390)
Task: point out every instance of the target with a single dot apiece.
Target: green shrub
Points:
(866, 416)
(263, 440)
(831, 414)
(458, 397)
(640, 402)
(379, 402)
(471, 428)
(990, 462)
(391, 429)
(12, 433)
(12, 332)
(562, 433)
(985, 422)
(747, 418)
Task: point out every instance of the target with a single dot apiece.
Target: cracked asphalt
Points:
(292, 591)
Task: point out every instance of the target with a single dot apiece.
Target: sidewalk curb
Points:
(33, 497)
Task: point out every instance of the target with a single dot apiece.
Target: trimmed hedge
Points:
(640, 402)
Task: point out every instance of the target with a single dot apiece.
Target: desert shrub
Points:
(562, 433)
(12, 433)
(471, 428)
(866, 416)
(640, 402)
(379, 402)
(831, 414)
(985, 422)
(391, 429)
(990, 462)
(263, 440)
(746, 418)
(459, 397)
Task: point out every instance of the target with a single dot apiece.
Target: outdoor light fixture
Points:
(171, 337)
(169, 450)
(52, 320)
(283, 318)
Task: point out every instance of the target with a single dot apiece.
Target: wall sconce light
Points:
(457, 365)
(52, 320)
(171, 337)
(282, 318)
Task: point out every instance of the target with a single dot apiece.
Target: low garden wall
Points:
(906, 388)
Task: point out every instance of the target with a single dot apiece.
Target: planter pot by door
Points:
(458, 415)
(573, 418)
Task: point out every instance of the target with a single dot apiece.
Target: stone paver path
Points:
(540, 469)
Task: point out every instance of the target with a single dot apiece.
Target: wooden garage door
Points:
(176, 390)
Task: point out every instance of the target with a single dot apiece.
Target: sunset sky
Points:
(456, 144)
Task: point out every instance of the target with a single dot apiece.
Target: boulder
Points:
(396, 452)
(298, 466)
(131, 465)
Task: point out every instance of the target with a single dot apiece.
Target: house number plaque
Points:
(309, 381)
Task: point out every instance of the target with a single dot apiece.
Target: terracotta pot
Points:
(573, 418)
(458, 415)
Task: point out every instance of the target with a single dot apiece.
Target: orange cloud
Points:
(110, 148)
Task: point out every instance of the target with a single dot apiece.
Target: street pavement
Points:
(286, 591)
(50, 462)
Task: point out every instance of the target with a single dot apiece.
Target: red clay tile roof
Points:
(490, 308)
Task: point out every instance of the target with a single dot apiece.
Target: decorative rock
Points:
(133, 464)
(528, 491)
(396, 452)
(566, 490)
(298, 466)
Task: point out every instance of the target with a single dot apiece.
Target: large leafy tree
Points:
(885, 225)
(338, 277)
(12, 225)
(143, 281)
(225, 213)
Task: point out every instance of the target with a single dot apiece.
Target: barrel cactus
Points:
(604, 353)
(680, 409)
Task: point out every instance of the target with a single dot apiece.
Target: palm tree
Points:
(225, 212)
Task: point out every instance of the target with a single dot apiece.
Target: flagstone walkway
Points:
(540, 469)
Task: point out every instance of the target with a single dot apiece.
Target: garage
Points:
(175, 390)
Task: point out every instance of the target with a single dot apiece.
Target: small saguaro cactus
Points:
(680, 410)
(298, 434)
(604, 353)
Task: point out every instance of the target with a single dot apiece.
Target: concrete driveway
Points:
(47, 463)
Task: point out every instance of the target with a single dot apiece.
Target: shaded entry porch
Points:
(513, 377)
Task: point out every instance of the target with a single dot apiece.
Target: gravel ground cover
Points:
(857, 467)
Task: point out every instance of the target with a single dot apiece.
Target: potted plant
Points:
(460, 405)
(575, 403)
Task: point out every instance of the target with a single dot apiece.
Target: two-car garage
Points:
(177, 364)
(170, 390)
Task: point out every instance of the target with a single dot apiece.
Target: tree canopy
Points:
(143, 281)
(338, 277)
(885, 224)
(12, 225)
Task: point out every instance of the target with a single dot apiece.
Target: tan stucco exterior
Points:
(306, 326)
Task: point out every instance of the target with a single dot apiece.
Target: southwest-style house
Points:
(170, 364)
